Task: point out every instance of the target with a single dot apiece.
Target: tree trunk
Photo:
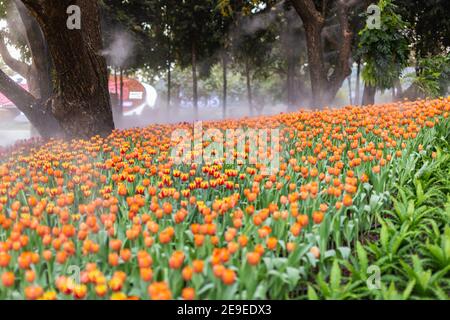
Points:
(169, 86)
(350, 98)
(116, 88)
(115, 96)
(358, 81)
(324, 88)
(291, 94)
(169, 74)
(315, 63)
(287, 38)
(194, 79)
(398, 89)
(225, 85)
(249, 88)
(81, 101)
(121, 92)
(369, 95)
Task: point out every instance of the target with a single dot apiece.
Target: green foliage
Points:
(384, 51)
(429, 26)
(433, 78)
(411, 245)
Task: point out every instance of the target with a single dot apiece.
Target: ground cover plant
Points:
(358, 208)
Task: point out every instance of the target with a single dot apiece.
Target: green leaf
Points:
(335, 276)
(384, 237)
(312, 295)
(363, 261)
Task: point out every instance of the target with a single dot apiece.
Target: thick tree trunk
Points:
(81, 102)
(324, 88)
(249, 88)
(315, 63)
(369, 95)
(225, 85)
(194, 79)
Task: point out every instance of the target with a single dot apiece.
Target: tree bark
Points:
(315, 63)
(194, 79)
(369, 95)
(81, 101)
(324, 88)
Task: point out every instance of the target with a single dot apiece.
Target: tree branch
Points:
(14, 92)
(324, 7)
(308, 11)
(33, 109)
(17, 66)
(41, 67)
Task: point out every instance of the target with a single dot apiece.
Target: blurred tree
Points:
(428, 34)
(253, 52)
(429, 25)
(196, 36)
(433, 78)
(384, 50)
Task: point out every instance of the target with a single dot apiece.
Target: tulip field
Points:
(359, 208)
